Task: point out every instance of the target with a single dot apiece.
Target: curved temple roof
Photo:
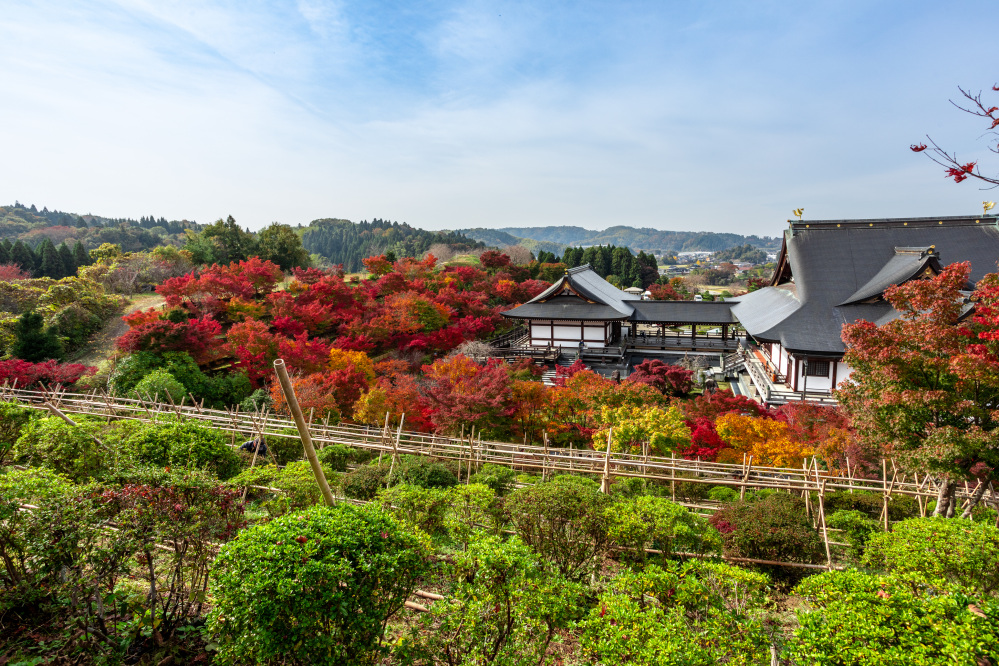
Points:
(834, 271)
(583, 295)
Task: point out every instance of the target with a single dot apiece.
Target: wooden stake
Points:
(672, 475)
(395, 445)
(822, 519)
(605, 481)
(303, 430)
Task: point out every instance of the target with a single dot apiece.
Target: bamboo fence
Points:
(544, 460)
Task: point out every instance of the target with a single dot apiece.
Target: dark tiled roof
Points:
(579, 294)
(584, 281)
(565, 307)
(692, 312)
(905, 265)
(832, 262)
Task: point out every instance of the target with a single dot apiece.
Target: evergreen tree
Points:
(22, 255)
(68, 262)
(4, 255)
(34, 343)
(279, 243)
(222, 242)
(577, 257)
(620, 262)
(51, 263)
(80, 256)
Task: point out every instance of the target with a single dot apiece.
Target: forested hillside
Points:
(32, 226)
(649, 240)
(502, 239)
(345, 242)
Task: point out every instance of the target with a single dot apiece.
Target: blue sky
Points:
(719, 116)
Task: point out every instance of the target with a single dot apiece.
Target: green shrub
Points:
(501, 608)
(131, 370)
(563, 521)
(259, 399)
(59, 558)
(225, 389)
(769, 527)
(364, 482)
(336, 456)
(659, 524)
(295, 483)
(630, 486)
(44, 549)
(13, 418)
(688, 491)
(424, 508)
(858, 529)
(470, 509)
(339, 456)
(259, 475)
(34, 485)
(314, 587)
(70, 450)
(693, 614)
(985, 514)
(160, 386)
(859, 619)
(299, 486)
(497, 477)
(185, 444)
(423, 472)
(955, 551)
(900, 507)
(723, 494)
(284, 450)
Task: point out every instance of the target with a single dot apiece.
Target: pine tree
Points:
(4, 255)
(32, 342)
(51, 263)
(68, 262)
(22, 255)
(80, 256)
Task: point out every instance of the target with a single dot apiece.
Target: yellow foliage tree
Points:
(770, 442)
(342, 360)
(662, 430)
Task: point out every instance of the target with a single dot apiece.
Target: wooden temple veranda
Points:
(583, 314)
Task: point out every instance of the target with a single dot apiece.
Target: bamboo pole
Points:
(395, 445)
(822, 518)
(605, 481)
(745, 478)
(303, 430)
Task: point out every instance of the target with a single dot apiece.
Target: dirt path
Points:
(102, 342)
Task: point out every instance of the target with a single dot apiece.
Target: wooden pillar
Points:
(804, 384)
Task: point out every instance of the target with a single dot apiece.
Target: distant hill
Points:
(32, 226)
(649, 240)
(501, 239)
(345, 242)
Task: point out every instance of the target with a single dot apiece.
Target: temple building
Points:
(782, 342)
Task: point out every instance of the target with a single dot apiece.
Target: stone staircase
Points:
(564, 360)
